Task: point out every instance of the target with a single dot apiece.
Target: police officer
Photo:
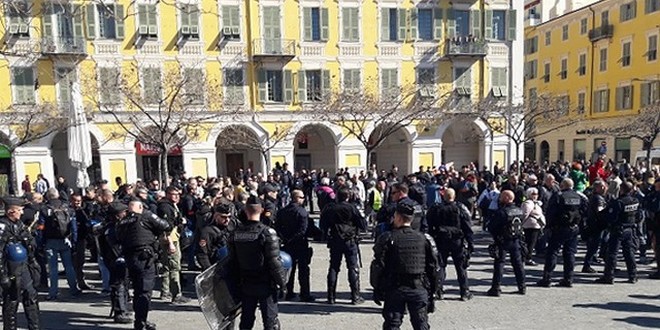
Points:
(291, 226)
(565, 212)
(169, 211)
(595, 223)
(507, 231)
(254, 259)
(623, 215)
(18, 268)
(269, 213)
(138, 233)
(113, 258)
(214, 236)
(653, 207)
(449, 225)
(404, 271)
(341, 223)
(399, 193)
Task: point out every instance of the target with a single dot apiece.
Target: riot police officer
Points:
(404, 271)
(214, 236)
(399, 193)
(595, 223)
(507, 231)
(653, 208)
(449, 225)
(254, 259)
(565, 212)
(18, 268)
(137, 235)
(111, 251)
(341, 222)
(623, 215)
(269, 213)
(291, 226)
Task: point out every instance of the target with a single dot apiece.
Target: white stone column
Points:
(28, 159)
(113, 159)
(351, 154)
(194, 159)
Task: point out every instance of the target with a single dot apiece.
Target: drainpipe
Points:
(251, 72)
(593, 63)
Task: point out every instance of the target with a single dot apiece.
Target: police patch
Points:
(272, 231)
(631, 208)
(267, 213)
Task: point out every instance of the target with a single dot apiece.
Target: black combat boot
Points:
(32, 314)
(494, 292)
(332, 288)
(356, 298)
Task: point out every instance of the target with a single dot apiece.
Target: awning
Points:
(4, 152)
(145, 149)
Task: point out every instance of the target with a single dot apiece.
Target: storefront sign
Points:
(4, 152)
(145, 149)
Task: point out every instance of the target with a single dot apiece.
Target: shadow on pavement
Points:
(624, 307)
(641, 296)
(641, 321)
(321, 308)
(63, 320)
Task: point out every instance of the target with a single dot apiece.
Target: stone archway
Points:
(394, 150)
(314, 147)
(544, 152)
(238, 148)
(462, 143)
(62, 165)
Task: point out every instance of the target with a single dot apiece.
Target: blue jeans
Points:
(105, 275)
(55, 248)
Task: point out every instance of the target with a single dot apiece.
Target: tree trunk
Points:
(162, 168)
(264, 154)
(13, 179)
(368, 160)
(518, 167)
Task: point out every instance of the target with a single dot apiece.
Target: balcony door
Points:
(65, 76)
(272, 31)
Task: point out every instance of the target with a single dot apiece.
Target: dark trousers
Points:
(268, 307)
(513, 248)
(21, 289)
(142, 271)
(79, 260)
(348, 249)
(119, 288)
(302, 256)
(454, 249)
(593, 242)
(565, 239)
(531, 236)
(396, 301)
(623, 238)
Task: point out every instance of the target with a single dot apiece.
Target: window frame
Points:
(602, 60)
(564, 32)
(23, 89)
(347, 32)
(626, 59)
(231, 97)
(652, 53)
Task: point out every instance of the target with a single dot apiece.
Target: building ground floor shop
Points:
(309, 144)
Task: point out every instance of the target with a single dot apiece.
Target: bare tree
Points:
(525, 122)
(645, 127)
(30, 123)
(237, 138)
(371, 119)
(164, 108)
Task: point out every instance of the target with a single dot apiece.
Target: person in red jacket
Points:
(596, 171)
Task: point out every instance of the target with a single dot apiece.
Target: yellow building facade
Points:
(271, 58)
(604, 59)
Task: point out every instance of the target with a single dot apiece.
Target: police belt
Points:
(409, 280)
(140, 249)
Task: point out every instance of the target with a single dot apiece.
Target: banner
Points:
(145, 149)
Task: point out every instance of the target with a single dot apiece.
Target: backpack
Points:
(58, 221)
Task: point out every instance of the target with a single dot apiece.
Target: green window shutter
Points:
(345, 24)
(119, 22)
(451, 24)
(47, 22)
(307, 24)
(645, 92)
(348, 79)
(302, 86)
(185, 16)
(412, 13)
(288, 86)
(90, 10)
(325, 83)
(597, 101)
(235, 17)
(384, 24)
(356, 79)
(77, 21)
(262, 85)
(618, 98)
(153, 19)
(142, 15)
(510, 19)
(488, 25)
(401, 23)
(193, 17)
(355, 24)
(325, 29)
(437, 23)
(475, 19)
(226, 16)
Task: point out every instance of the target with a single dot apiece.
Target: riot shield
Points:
(218, 296)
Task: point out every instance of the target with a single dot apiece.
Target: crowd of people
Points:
(142, 231)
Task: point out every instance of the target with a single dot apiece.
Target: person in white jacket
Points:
(533, 223)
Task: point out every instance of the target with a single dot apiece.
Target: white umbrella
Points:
(80, 144)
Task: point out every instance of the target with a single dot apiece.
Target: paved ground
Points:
(585, 306)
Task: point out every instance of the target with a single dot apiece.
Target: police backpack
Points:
(57, 222)
(514, 227)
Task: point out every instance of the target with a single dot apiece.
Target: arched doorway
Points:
(62, 165)
(545, 151)
(148, 157)
(393, 151)
(462, 143)
(239, 148)
(314, 147)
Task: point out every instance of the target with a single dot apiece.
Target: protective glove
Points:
(430, 308)
(5, 282)
(68, 243)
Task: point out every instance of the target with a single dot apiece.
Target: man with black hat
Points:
(291, 226)
(399, 193)
(169, 211)
(113, 258)
(404, 271)
(138, 233)
(214, 236)
(18, 269)
(341, 223)
(254, 261)
(270, 204)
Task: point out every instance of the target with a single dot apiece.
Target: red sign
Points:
(145, 149)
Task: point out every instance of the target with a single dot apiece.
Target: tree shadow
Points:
(64, 320)
(641, 296)
(623, 307)
(641, 321)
